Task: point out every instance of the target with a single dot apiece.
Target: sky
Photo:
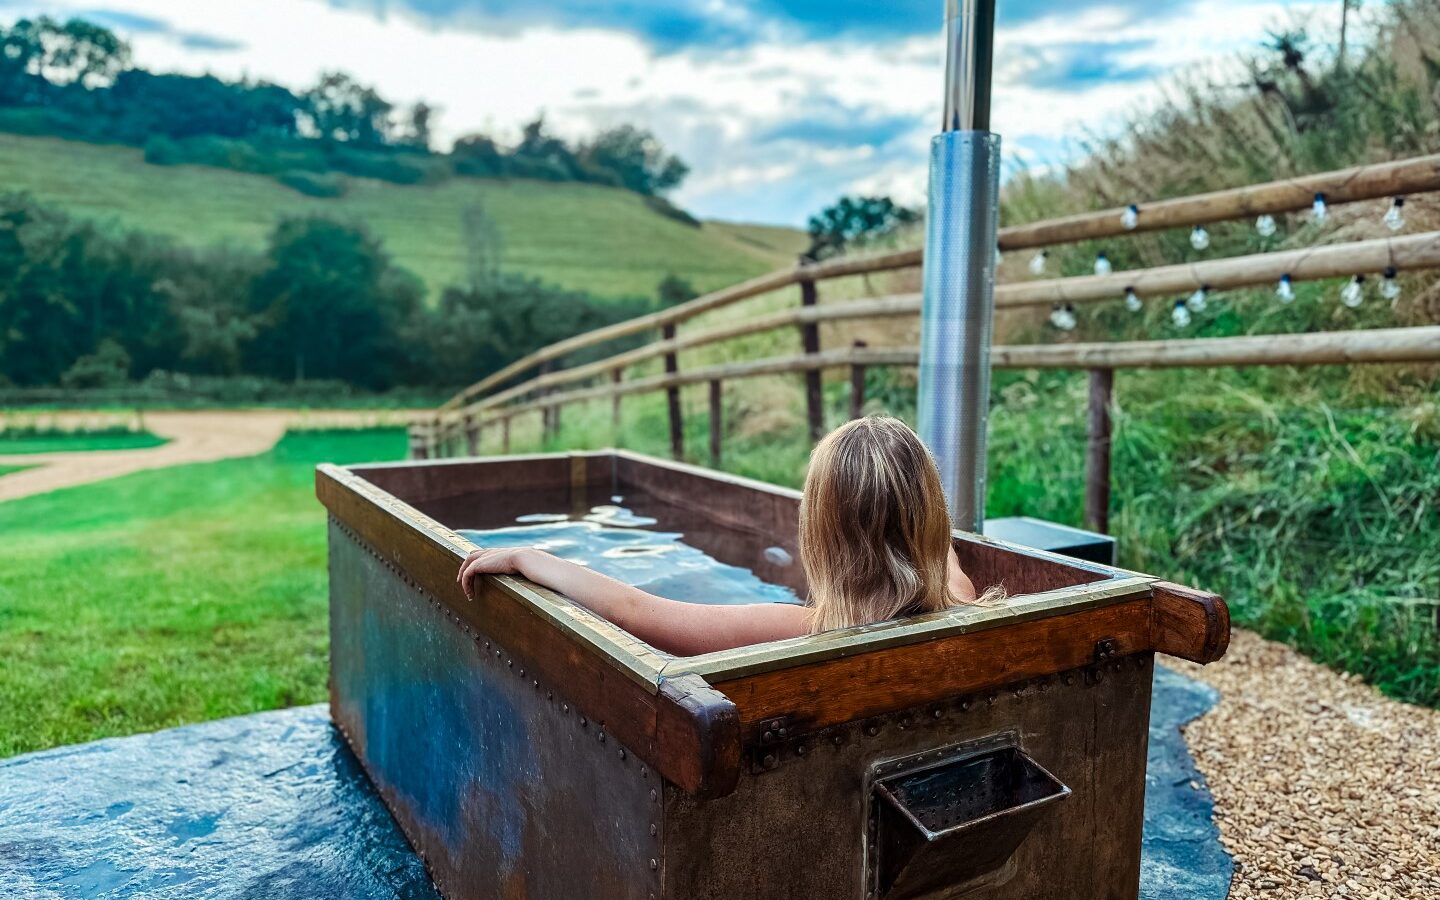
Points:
(779, 106)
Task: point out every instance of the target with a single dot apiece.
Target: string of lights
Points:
(1352, 294)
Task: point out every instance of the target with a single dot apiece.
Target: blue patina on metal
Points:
(1182, 858)
(271, 805)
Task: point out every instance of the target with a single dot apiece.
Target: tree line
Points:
(76, 79)
(84, 306)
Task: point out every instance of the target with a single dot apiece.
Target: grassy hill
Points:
(602, 240)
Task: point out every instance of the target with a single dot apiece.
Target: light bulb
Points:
(1285, 290)
(1318, 210)
(1102, 264)
(1037, 263)
(1395, 215)
(1130, 217)
(1390, 287)
(1132, 301)
(1180, 315)
(1265, 225)
(1199, 238)
(999, 257)
(1063, 317)
(1353, 293)
(1196, 303)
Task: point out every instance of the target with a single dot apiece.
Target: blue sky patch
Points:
(1084, 64)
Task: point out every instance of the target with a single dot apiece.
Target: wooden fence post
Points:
(810, 338)
(472, 435)
(716, 423)
(418, 448)
(432, 439)
(857, 387)
(505, 435)
(615, 376)
(672, 394)
(549, 415)
(1097, 451)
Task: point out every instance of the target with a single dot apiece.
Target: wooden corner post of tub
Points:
(697, 730)
(1188, 623)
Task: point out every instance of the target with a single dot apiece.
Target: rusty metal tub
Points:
(531, 749)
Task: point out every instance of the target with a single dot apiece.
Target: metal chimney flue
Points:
(959, 269)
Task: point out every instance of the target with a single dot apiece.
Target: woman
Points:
(874, 541)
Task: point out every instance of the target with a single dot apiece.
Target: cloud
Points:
(824, 122)
(667, 25)
(778, 105)
(671, 25)
(142, 24)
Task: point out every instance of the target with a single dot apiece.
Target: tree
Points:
(475, 331)
(142, 105)
(674, 290)
(343, 109)
(108, 366)
(853, 218)
(40, 57)
(419, 123)
(637, 158)
(543, 155)
(332, 305)
(483, 245)
(81, 52)
(66, 286)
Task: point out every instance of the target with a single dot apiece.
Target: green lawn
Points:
(6, 470)
(169, 596)
(30, 441)
(593, 238)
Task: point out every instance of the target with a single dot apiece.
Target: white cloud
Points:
(711, 107)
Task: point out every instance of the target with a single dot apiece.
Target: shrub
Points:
(671, 211)
(313, 185)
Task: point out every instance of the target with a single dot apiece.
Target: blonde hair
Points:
(874, 529)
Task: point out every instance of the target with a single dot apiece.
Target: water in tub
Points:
(614, 541)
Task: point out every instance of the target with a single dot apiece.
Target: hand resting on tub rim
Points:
(874, 542)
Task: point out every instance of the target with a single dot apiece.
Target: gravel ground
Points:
(1323, 787)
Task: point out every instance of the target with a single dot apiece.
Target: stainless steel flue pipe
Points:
(955, 325)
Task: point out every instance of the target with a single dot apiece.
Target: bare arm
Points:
(684, 629)
(957, 581)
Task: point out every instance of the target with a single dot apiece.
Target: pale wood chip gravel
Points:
(1323, 787)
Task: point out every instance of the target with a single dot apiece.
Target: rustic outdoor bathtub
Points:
(530, 749)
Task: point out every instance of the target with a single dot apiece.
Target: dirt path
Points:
(193, 437)
(1323, 787)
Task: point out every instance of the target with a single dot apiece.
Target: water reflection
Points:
(613, 540)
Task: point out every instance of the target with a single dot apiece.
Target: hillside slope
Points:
(593, 238)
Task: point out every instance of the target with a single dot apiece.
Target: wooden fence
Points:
(457, 425)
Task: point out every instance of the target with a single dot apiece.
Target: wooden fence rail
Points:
(1392, 345)
(1421, 251)
(1346, 186)
(1389, 345)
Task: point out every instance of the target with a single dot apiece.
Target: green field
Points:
(602, 240)
(6, 470)
(48, 441)
(169, 596)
